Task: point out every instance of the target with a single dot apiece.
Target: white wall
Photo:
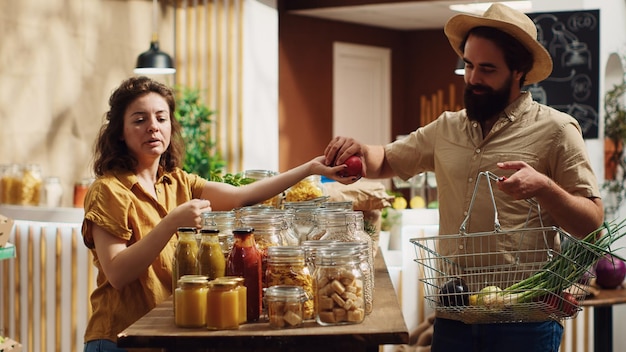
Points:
(260, 85)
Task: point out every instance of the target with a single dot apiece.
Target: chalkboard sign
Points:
(573, 41)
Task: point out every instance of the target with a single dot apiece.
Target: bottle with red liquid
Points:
(245, 261)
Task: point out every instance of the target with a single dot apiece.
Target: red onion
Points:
(610, 272)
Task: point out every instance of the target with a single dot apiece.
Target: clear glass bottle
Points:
(338, 284)
(185, 255)
(286, 265)
(285, 306)
(225, 222)
(211, 261)
(245, 261)
(222, 305)
(191, 301)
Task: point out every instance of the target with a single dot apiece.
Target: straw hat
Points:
(512, 22)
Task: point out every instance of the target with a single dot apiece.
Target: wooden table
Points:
(385, 325)
(602, 304)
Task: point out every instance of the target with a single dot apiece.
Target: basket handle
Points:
(490, 176)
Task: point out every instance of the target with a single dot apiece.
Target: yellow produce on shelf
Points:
(399, 203)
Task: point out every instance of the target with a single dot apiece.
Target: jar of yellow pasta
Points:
(286, 265)
(306, 189)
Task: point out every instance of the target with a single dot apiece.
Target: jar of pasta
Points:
(222, 305)
(286, 265)
(191, 301)
(211, 261)
(30, 184)
(338, 285)
(307, 189)
(285, 306)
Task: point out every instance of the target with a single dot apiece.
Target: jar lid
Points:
(192, 281)
(237, 279)
(187, 229)
(210, 230)
(243, 230)
(222, 285)
(286, 291)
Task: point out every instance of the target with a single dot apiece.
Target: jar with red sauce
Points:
(245, 261)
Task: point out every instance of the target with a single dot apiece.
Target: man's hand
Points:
(525, 182)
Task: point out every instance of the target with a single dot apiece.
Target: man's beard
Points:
(482, 107)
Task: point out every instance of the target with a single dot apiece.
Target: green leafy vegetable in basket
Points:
(575, 259)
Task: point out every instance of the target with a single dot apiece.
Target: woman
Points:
(141, 197)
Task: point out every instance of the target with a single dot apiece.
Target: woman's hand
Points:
(189, 214)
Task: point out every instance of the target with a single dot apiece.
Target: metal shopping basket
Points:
(523, 275)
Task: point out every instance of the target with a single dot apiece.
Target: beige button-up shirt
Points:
(454, 148)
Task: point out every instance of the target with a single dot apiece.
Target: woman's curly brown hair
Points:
(111, 152)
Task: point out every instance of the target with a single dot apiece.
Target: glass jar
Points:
(80, 190)
(348, 226)
(211, 261)
(338, 284)
(30, 185)
(11, 184)
(242, 295)
(286, 265)
(268, 232)
(306, 189)
(185, 255)
(191, 301)
(341, 205)
(224, 221)
(310, 251)
(260, 175)
(245, 261)
(303, 218)
(285, 306)
(222, 305)
(53, 192)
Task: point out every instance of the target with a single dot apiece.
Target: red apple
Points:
(354, 167)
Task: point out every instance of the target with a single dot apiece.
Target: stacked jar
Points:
(256, 175)
(303, 217)
(286, 265)
(338, 285)
(347, 226)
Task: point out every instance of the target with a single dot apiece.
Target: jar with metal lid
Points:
(342, 205)
(185, 255)
(224, 221)
(285, 306)
(338, 285)
(191, 301)
(286, 265)
(211, 261)
(245, 261)
(80, 190)
(222, 305)
(242, 295)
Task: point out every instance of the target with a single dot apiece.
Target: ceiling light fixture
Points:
(154, 61)
(478, 8)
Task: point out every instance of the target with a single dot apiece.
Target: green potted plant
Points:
(202, 156)
(614, 137)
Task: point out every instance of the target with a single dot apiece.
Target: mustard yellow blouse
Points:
(117, 203)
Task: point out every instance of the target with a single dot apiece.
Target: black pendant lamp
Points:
(460, 67)
(154, 61)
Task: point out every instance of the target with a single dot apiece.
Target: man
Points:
(537, 151)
